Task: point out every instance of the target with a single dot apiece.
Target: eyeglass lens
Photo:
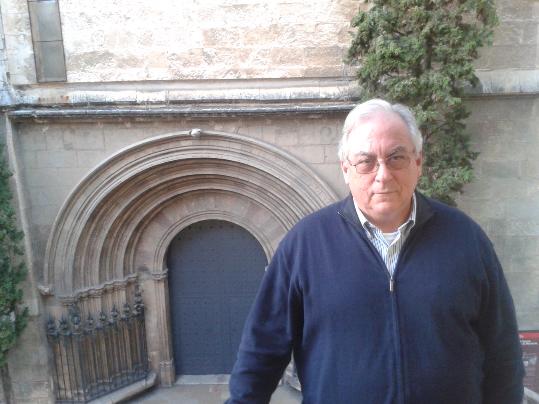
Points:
(394, 162)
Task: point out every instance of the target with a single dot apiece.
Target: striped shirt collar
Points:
(406, 226)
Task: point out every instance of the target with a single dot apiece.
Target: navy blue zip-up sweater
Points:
(445, 334)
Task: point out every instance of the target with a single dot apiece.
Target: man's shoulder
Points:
(313, 225)
(322, 216)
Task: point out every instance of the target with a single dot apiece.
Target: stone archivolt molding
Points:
(121, 218)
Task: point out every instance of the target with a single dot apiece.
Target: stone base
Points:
(128, 391)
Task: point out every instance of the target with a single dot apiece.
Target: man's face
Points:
(384, 196)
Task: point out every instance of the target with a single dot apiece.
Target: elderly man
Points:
(387, 296)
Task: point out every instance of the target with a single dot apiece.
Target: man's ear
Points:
(345, 168)
(419, 162)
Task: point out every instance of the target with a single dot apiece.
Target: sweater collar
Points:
(423, 210)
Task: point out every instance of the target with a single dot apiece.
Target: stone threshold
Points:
(202, 379)
(530, 396)
(128, 391)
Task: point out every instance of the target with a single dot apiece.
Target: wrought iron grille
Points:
(100, 355)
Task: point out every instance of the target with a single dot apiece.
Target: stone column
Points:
(155, 289)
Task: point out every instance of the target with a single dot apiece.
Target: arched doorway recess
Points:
(116, 225)
(215, 269)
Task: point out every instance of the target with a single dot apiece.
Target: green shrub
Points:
(13, 316)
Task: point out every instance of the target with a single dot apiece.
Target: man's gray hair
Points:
(366, 110)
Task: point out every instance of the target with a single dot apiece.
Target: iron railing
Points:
(96, 357)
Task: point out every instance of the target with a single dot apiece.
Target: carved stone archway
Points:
(117, 224)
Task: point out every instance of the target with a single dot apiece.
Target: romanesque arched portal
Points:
(116, 225)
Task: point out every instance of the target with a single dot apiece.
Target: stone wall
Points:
(134, 41)
(232, 39)
(18, 41)
(516, 39)
(55, 156)
(503, 197)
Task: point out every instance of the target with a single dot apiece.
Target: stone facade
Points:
(227, 109)
(502, 197)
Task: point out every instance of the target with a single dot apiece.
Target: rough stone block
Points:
(521, 209)
(323, 71)
(529, 81)
(54, 140)
(527, 318)
(89, 158)
(482, 209)
(44, 215)
(84, 139)
(27, 159)
(515, 10)
(330, 155)
(323, 56)
(32, 142)
(46, 195)
(509, 33)
(501, 168)
(318, 133)
(311, 154)
(530, 168)
(55, 159)
(525, 297)
(16, 23)
(331, 173)
(285, 134)
(287, 56)
(507, 56)
(530, 34)
(219, 37)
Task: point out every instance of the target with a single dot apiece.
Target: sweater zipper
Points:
(392, 296)
(376, 254)
(396, 325)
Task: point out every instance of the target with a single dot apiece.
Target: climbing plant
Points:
(13, 316)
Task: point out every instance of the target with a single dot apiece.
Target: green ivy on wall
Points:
(420, 53)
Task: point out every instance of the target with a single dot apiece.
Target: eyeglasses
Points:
(396, 161)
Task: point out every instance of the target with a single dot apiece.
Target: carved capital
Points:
(159, 276)
(45, 290)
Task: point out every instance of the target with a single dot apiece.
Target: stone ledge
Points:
(507, 82)
(189, 91)
(200, 110)
(501, 82)
(128, 391)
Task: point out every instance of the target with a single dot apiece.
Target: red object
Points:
(530, 355)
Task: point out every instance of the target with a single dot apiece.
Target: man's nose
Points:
(382, 172)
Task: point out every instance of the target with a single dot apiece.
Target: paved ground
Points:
(206, 394)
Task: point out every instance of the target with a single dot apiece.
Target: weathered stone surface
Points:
(29, 369)
(515, 40)
(238, 37)
(18, 41)
(504, 131)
